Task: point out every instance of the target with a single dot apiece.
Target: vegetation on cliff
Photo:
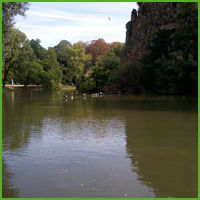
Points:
(162, 37)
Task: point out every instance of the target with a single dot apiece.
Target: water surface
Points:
(113, 146)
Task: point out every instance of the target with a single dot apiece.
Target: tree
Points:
(11, 46)
(9, 11)
(60, 49)
(39, 51)
(16, 50)
(83, 44)
(28, 73)
(171, 67)
(119, 49)
(102, 74)
(52, 67)
(128, 77)
(97, 48)
(75, 58)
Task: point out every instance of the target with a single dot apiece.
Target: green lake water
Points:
(111, 146)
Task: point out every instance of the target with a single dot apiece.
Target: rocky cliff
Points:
(150, 18)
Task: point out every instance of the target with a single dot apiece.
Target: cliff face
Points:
(151, 17)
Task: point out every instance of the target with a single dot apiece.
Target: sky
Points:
(52, 22)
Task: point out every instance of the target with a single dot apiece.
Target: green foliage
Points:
(12, 39)
(89, 85)
(38, 50)
(26, 62)
(102, 74)
(171, 67)
(16, 50)
(119, 49)
(60, 52)
(32, 73)
(75, 58)
(9, 11)
(129, 77)
(54, 69)
(103, 71)
(28, 73)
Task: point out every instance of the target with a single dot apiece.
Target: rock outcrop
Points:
(150, 18)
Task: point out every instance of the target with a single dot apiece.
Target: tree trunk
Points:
(4, 79)
(5, 76)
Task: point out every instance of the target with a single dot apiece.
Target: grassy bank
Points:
(68, 87)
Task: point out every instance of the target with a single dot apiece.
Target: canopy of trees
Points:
(169, 67)
(9, 11)
(75, 62)
(97, 48)
(172, 65)
(16, 50)
(38, 50)
(11, 49)
(60, 48)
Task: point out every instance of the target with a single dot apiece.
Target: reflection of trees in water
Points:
(24, 116)
(8, 190)
(158, 155)
(26, 111)
(17, 120)
(163, 150)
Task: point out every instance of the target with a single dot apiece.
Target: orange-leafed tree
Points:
(97, 48)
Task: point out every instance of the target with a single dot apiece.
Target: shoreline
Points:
(72, 88)
(19, 86)
(10, 86)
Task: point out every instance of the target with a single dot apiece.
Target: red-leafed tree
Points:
(97, 48)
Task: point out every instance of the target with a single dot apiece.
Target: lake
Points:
(110, 146)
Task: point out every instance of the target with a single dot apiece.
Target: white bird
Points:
(66, 97)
